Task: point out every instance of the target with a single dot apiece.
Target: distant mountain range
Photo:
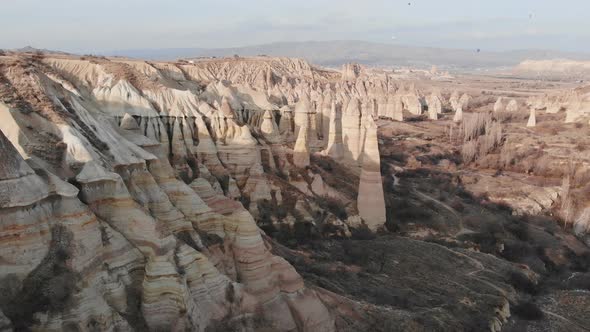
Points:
(336, 53)
(30, 49)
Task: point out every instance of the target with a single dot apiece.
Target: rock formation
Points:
(324, 115)
(434, 107)
(582, 223)
(532, 122)
(351, 71)
(412, 104)
(458, 117)
(498, 105)
(304, 115)
(370, 202)
(129, 123)
(301, 149)
(286, 124)
(139, 196)
(335, 148)
(351, 131)
(464, 101)
(437, 93)
(125, 248)
(397, 108)
(270, 129)
(454, 100)
(512, 106)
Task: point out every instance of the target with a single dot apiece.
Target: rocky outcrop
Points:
(301, 149)
(305, 115)
(286, 124)
(499, 105)
(257, 187)
(324, 114)
(351, 71)
(335, 147)
(396, 107)
(524, 198)
(130, 194)
(464, 101)
(454, 100)
(351, 132)
(574, 102)
(434, 107)
(512, 106)
(532, 122)
(458, 117)
(129, 123)
(42, 221)
(133, 246)
(259, 72)
(412, 104)
(269, 128)
(582, 223)
(370, 202)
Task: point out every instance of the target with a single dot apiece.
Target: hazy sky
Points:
(102, 25)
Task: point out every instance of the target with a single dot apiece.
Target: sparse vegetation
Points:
(481, 134)
(528, 311)
(522, 283)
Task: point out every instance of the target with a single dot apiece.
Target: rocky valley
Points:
(270, 194)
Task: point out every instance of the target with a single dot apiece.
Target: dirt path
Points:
(444, 205)
(574, 324)
(462, 229)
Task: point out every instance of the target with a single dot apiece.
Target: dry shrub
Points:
(481, 135)
(551, 128)
(510, 156)
(492, 138)
(503, 116)
(474, 125)
(469, 151)
(482, 101)
(580, 147)
(582, 177)
(541, 167)
(577, 173)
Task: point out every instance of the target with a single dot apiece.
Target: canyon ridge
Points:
(271, 194)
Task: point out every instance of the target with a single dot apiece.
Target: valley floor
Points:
(469, 244)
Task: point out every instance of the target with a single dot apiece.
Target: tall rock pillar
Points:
(371, 200)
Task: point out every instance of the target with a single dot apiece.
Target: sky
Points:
(87, 26)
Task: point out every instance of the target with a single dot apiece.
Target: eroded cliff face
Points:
(575, 103)
(130, 191)
(118, 182)
(160, 171)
